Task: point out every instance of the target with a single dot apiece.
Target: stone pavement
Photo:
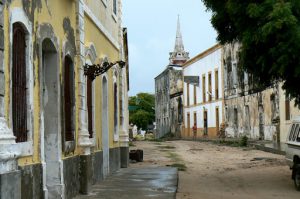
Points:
(137, 183)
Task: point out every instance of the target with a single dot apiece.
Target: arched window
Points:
(19, 84)
(69, 100)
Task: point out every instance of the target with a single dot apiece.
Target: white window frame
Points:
(17, 15)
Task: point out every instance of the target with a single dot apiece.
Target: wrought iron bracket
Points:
(92, 71)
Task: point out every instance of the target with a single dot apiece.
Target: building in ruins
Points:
(203, 93)
(168, 91)
(60, 131)
(258, 113)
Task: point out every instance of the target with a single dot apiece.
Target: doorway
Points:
(188, 124)
(217, 121)
(235, 122)
(51, 147)
(261, 122)
(105, 131)
(205, 122)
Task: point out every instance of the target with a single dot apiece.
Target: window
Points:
(209, 88)
(115, 108)
(295, 133)
(287, 108)
(69, 100)
(195, 95)
(203, 89)
(188, 94)
(216, 84)
(19, 82)
(292, 131)
(115, 7)
(90, 106)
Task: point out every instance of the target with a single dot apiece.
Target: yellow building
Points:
(60, 131)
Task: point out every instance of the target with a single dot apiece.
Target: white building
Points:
(202, 91)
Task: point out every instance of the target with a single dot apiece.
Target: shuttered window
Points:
(19, 97)
(69, 102)
(90, 106)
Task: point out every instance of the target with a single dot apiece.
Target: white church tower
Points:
(179, 56)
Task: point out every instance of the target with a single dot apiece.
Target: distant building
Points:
(258, 113)
(168, 91)
(202, 93)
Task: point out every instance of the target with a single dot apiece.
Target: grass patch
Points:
(242, 142)
(179, 166)
(174, 156)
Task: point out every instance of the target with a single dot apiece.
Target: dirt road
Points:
(221, 172)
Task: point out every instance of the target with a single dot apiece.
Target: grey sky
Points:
(152, 31)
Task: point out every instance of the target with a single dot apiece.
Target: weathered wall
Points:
(255, 112)
(162, 101)
(2, 80)
(252, 115)
(294, 112)
(10, 185)
(114, 159)
(32, 181)
(168, 93)
(71, 173)
(97, 167)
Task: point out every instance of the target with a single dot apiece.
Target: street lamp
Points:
(92, 71)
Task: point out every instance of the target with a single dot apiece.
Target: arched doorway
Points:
(51, 147)
(105, 130)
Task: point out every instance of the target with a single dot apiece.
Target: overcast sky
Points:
(151, 35)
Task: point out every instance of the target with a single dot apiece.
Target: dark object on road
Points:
(136, 155)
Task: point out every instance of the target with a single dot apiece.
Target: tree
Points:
(269, 34)
(141, 110)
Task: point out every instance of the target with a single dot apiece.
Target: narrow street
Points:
(214, 172)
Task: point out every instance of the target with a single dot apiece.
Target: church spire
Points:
(178, 43)
(178, 56)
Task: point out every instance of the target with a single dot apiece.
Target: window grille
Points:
(19, 96)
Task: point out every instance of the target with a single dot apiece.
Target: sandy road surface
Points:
(221, 172)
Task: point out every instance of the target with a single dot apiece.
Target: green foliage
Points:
(243, 141)
(143, 112)
(269, 33)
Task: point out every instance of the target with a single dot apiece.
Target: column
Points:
(10, 177)
(83, 138)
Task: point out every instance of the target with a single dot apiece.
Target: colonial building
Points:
(168, 91)
(259, 113)
(60, 131)
(202, 93)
